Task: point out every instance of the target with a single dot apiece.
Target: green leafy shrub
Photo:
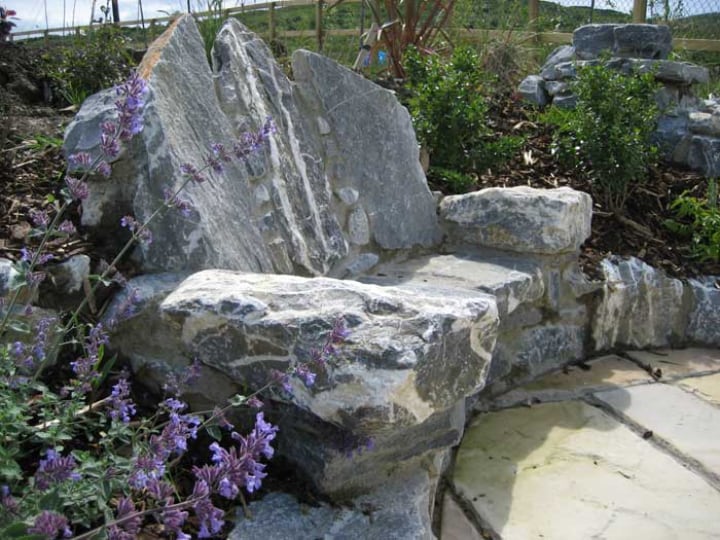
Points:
(88, 64)
(608, 135)
(449, 113)
(699, 219)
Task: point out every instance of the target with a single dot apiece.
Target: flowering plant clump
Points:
(74, 463)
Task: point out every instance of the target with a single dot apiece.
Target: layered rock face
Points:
(689, 127)
(319, 199)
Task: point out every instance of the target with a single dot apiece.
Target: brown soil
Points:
(31, 170)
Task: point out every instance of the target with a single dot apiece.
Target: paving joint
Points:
(712, 478)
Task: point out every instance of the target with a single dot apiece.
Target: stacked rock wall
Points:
(688, 129)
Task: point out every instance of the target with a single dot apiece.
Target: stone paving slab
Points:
(455, 525)
(569, 471)
(604, 373)
(680, 363)
(706, 388)
(689, 424)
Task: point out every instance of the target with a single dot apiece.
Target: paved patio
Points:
(627, 449)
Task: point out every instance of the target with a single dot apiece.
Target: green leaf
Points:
(18, 530)
(214, 432)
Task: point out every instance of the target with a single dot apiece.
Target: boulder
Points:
(590, 40)
(512, 279)
(412, 358)
(523, 355)
(532, 89)
(522, 219)
(640, 307)
(622, 40)
(281, 210)
(400, 508)
(704, 155)
(704, 319)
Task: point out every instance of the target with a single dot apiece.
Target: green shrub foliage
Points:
(608, 135)
(449, 112)
(699, 219)
(88, 63)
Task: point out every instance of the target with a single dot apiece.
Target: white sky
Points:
(31, 13)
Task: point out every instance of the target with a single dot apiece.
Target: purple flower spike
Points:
(40, 218)
(77, 188)
(50, 525)
(103, 168)
(67, 227)
(55, 469)
(128, 527)
(190, 171)
(121, 406)
(81, 159)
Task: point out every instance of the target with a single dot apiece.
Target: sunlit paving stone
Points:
(570, 471)
(689, 424)
(706, 388)
(679, 363)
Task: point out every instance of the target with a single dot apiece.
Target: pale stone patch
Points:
(680, 363)
(706, 388)
(455, 524)
(687, 423)
(565, 471)
(605, 373)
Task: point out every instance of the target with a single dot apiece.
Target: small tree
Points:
(406, 23)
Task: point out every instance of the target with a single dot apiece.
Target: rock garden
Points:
(253, 307)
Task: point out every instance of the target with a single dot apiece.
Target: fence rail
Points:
(533, 28)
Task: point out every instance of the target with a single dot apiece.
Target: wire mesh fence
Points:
(699, 19)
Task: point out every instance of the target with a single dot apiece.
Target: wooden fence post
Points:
(534, 13)
(639, 11)
(318, 24)
(271, 15)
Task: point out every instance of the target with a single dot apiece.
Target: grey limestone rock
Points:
(532, 89)
(274, 212)
(641, 307)
(399, 510)
(704, 319)
(520, 219)
(622, 40)
(412, 358)
(590, 40)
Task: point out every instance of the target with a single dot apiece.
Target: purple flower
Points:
(80, 159)
(67, 227)
(210, 517)
(160, 490)
(130, 106)
(7, 501)
(128, 521)
(283, 379)
(103, 168)
(27, 255)
(140, 232)
(307, 376)
(255, 403)
(173, 201)
(51, 525)
(77, 188)
(145, 469)
(190, 171)
(219, 416)
(55, 469)
(239, 467)
(174, 519)
(176, 385)
(121, 406)
(40, 218)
